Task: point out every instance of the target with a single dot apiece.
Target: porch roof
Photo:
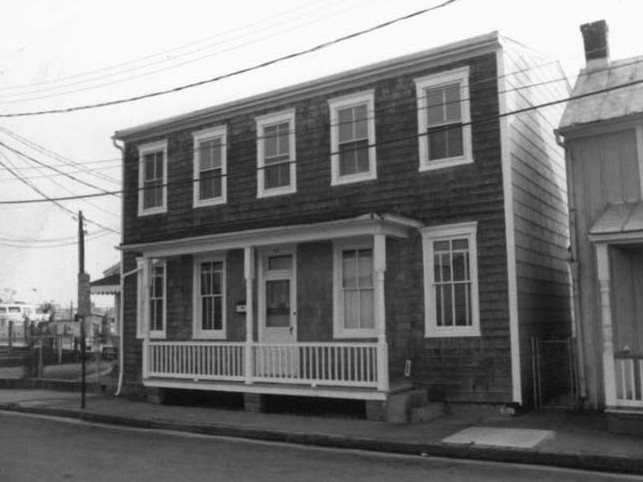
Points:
(367, 224)
(619, 223)
(109, 285)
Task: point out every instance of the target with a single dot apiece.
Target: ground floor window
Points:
(354, 290)
(210, 298)
(157, 300)
(451, 280)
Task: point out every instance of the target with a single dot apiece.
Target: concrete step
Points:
(412, 406)
(426, 413)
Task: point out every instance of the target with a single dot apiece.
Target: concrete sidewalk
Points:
(557, 439)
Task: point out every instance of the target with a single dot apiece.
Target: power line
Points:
(261, 65)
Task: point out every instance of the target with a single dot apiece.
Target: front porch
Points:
(290, 310)
(332, 370)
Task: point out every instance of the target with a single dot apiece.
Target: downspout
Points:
(573, 267)
(121, 331)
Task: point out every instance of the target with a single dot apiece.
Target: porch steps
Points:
(412, 406)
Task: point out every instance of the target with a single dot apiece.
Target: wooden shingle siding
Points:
(458, 369)
(541, 233)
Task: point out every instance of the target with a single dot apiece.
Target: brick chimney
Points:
(597, 50)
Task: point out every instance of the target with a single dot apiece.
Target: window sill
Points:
(209, 335)
(444, 163)
(352, 178)
(203, 203)
(157, 335)
(347, 334)
(277, 191)
(453, 333)
(152, 211)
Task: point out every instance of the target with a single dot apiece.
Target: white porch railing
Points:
(359, 365)
(629, 380)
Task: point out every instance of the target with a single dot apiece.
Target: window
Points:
(210, 166)
(444, 129)
(352, 138)
(152, 194)
(157, 300)
(276, 154)
(451, 280)
(354, 290)
(209, 303)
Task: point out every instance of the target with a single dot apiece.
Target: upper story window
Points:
(352, 138)
(210, 164)
(451, 280)
(276, 154)
(152, 181)
(444, 129)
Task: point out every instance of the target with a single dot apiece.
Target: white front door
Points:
(277, 313)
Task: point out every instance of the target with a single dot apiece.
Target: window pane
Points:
(206, 313)
(460, 243)
(353, 158)
(270, 141)
(361, 122)
(367, 319)
(462, 304)
(149, 166)
(284, 135)
(345, 127)
(278, 303)
(365, 266)
(447, 300)
(351, 309)
(159, 165)
(437, 139)
(276, 176)
(455, 145)
(210, 184)
(218, 313)
(434, 106)
(206, 281)
(280, 262)
(349, 269)
(439, 312)
(452, 100)
(459, 267)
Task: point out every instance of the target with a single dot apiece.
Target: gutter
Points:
(573, 267)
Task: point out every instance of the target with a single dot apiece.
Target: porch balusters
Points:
(249, 265)
(609, 372)
(379, 262)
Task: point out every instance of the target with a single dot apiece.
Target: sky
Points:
(65, 53)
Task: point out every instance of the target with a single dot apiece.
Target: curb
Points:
(579, 461)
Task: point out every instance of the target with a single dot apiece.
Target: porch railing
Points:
(629, 379)
(359, 365)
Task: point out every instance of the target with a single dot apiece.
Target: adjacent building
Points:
(399, 225)
(602, 128)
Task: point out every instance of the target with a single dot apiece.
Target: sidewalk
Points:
(557, 439)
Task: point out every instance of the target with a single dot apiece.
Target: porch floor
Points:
(395, 386)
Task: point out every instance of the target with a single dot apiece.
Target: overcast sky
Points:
(64, 53)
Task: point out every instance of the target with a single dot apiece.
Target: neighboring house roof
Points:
(109, 285)
(613, 104)
(619, 221)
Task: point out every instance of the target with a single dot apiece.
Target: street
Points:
(38, 449)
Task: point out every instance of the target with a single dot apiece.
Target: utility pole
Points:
(84, 303)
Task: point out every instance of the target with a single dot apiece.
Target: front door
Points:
(277, 314)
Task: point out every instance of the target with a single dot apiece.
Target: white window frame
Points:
(461, 76)
(336, 104)
(141, 327)
(143, 150)
(219, 132)
(157, 333)
(270, 120)
(339, 326)
(197, 331)
(440, 233)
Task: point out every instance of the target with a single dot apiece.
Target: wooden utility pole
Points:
(84, 303)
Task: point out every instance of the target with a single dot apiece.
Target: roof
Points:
(619, 221)
(614, 104)
(426, 58)
(108, 285)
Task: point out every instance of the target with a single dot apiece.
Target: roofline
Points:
(432, 57)
(600, 126)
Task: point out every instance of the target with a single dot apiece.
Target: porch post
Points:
(609, 372)
(146, 315)
(249, 268)
(379, 266)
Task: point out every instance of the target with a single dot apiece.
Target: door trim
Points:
(263, 275)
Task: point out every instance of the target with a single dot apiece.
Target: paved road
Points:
(42, 449)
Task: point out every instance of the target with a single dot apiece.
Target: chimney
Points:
(597, 51)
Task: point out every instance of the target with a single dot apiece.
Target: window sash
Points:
(276, 142)
(452, 283)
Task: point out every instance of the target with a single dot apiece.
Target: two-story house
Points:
(390, 226)
(603, 134)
